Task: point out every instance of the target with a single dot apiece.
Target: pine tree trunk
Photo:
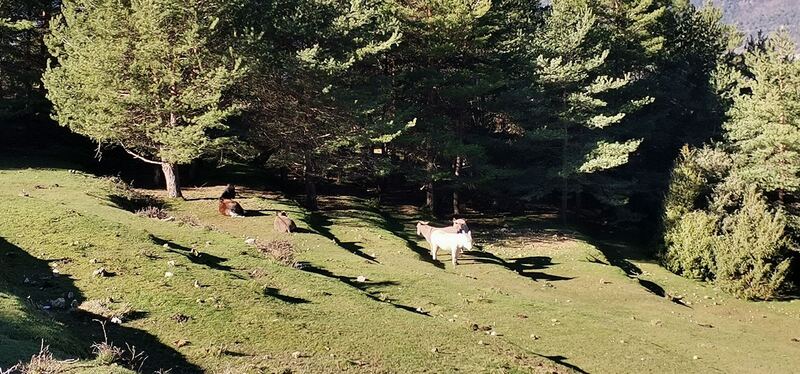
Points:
(311, 187)
(564, 179)
(457, 172)
(311, 194)
(429, 197)
(158, 176)
(172, 180)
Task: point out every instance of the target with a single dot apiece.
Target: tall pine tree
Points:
(147, 75)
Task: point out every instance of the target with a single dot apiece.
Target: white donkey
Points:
(452, 239)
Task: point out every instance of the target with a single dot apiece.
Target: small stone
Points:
(93, 261)
(622, 341)
(196, 284)
(166, 245)
(171, 262)
(250, 241)
(116, 320)
(534, 337)
(182, 343)
(480, 342)
(796, 340)
(554, 320)
(100, 272)
(695, 357)
(493, 333)
(70, 295)
(56, 271)
(168, 274)
(361, 279)
(434, 350)
(297, 355)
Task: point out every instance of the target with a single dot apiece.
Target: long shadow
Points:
(206, 259)
(561, 360)
(364, 287)
(69, 334)
(524, 266)
(321, 224)
(397, 229)
(274, 292)
(616, 255)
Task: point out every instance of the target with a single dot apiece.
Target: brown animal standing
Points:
(230, 208)
(283, 223)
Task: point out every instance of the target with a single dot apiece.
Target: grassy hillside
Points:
(534, 300)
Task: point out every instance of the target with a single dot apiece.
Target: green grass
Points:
(594, 307)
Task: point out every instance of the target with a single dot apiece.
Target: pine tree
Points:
(575, 103)
(314, 90)
(146, 75)
(764, 124)
(445, 76)
(23, 55)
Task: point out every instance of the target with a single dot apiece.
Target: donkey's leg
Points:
(434, 249)
(454, 254)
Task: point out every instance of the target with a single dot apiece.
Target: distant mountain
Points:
(765, 15)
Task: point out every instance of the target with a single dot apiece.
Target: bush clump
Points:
(716, 229)
(281, 251)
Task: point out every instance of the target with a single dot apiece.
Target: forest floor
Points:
(365, 296)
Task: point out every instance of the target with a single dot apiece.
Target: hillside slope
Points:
(535, 300)
(760, 15)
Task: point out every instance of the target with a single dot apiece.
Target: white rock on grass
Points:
(361, 279)
(168, 274)
(250, 241)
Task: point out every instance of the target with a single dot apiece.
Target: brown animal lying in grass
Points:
(229, 193)
(283, 223)
(230, 208)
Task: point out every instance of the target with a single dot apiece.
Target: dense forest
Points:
(471, 105)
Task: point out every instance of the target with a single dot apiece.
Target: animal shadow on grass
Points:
(524, 266)
(397, 229)
(206, 259)
(321, 224)
(74, 331)
(364, 287)
(274, 292)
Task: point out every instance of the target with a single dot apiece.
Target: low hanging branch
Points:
(141, 158)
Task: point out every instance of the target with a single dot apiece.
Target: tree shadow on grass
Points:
(524, 266)
(321, 224)
(274, 292)
(394, 226)
(617, 255)
(68, 333)
(205, 259)
(561, 360)
(365, 287)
